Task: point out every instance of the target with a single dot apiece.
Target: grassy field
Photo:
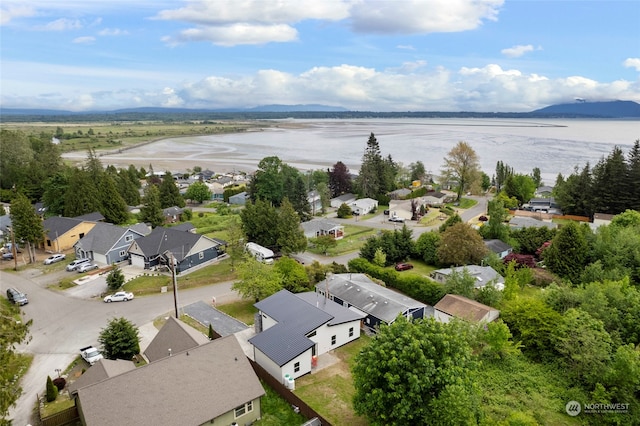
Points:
(117, 135)
(355, 237)
(242, 310)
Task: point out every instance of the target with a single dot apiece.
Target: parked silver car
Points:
(86, 268)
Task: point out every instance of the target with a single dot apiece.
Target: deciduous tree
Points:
(460, 244)
(294, 276)
(462, 167)
(13, 333)
(257, 280)
(198, 191)
(416, 373)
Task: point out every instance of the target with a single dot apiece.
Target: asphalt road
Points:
(63, 324)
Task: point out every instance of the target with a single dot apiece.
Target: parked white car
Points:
(86, 267)
(54, 258)
(121, 296)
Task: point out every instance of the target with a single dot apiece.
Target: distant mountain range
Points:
(578, 109)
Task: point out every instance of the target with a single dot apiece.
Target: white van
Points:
(74, 265)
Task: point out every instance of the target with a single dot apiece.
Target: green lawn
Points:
(330, 391)
(148, 284)
(242, 310)
(355, 237)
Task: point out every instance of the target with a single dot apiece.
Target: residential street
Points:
(63, 322)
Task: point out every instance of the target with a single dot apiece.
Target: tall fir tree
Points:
(291, 237)
(82, 197)
(113, 207)
(151, 212)
(127, 189)
(634, 176)
(611, 173)
(27, 225)
(169, 192)
(370, 175)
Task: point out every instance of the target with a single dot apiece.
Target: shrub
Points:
(52, 391)
(60, 383)
(522, 260)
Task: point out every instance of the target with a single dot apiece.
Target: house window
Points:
(296, 367)
(333, 339)
(128, 238)
(48, 243)
(201, 255)
(123, 253)
(351, 332)
(243, 409)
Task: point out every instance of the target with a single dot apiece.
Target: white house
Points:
(363, 206)
(294, 329)
(318, 227)
(342, 199)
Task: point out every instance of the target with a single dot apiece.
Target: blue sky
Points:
(373, 55)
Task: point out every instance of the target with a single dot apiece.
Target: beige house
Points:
(209, 384)
(61, 233)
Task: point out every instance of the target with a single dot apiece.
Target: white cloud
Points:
(113, 32)
(405, 47)
(517, 51)
(237, 34)
(62, 24)
(422, 16)
(232, 22)
(84, 40)
(9, 12)
(410, 86)
(632, 63)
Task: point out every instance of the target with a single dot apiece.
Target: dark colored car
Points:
(403, 266)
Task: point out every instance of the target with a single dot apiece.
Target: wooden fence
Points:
(68, 416)
(298, 404)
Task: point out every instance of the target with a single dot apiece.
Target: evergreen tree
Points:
(567, 254)
(26, 223)
(300, 200)
(370, 177)
(169, 192)
(537, 179)
(151, 212)
(113, 207)
(55, 189)
(119, 339)
(82, 197)
(611, 176)
(127, 189)
(495, 227)
(258, 219)
(291, 237)
(634, 176)
(115, 279)
(134, 176)
(52, 391)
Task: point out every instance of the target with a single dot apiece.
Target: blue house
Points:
(188, 249)
(106, 243)
(381, 305)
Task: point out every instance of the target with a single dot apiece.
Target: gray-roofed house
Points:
(5, 226)
(185, 226)
(399, 194)
(172, 214)
(188, 249)
(107, 244)
(342, 199)
(455, 306)
(292, 329)
(101, 370)
(174, 337)
(239, 199)
(61, 233)
(318, 227)
(217, 385)
(498, 247)
(91, 217)
(483, 275)
(381, 305)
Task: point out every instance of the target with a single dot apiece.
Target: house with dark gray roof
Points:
(174, 337)
(61, 233)
(483, 275)
(188, 249)
(92, 217)
(455, 306)
(318, 227)
(213, 383)
(172, 214)
(101, 370)
(380, 305)
(498, 247)
(106, 243)
(294, 329)
(185, 226)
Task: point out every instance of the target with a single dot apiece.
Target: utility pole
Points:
(175, 285)
(14, 250)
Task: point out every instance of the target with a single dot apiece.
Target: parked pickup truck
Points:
(90, 354)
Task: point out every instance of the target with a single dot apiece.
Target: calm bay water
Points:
(555, 146)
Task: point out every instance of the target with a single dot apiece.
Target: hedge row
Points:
(421, 289)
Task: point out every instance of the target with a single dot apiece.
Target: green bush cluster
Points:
(421, 289)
